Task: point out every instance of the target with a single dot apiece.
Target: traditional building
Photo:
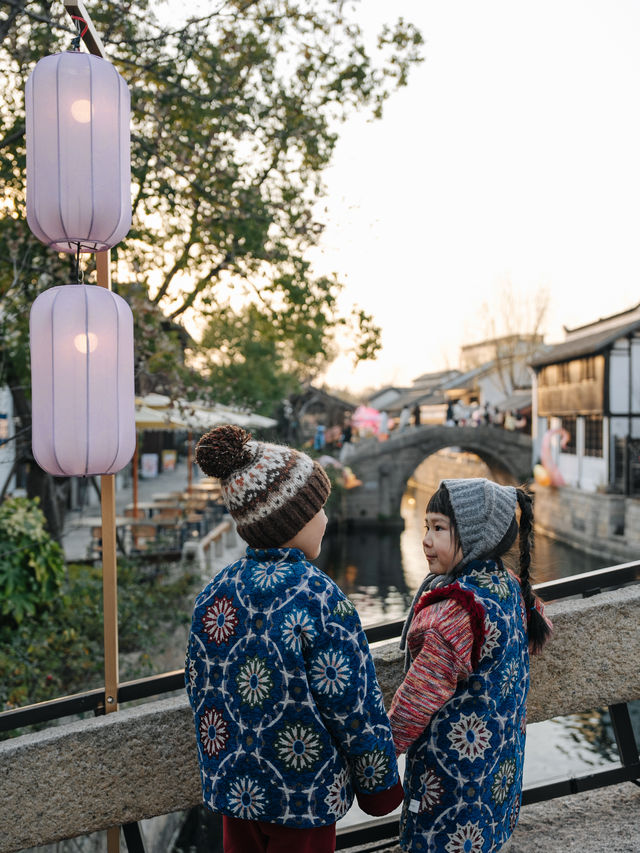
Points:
(589, 387)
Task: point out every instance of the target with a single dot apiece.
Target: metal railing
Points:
(381, 830)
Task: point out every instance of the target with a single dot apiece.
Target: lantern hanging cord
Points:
(75, 42)
(79, 272)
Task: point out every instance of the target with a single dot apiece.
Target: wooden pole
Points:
(135, 480)
(189, 462)
(109, 575)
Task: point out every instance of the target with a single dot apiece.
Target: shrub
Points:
(61, 651)
(31, 562)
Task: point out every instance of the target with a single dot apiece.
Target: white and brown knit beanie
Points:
(272, 491)
(484, 512)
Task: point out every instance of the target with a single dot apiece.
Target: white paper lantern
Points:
(78, 153)
(83, 403)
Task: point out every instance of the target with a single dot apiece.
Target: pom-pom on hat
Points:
(272, 491)
(484, 512)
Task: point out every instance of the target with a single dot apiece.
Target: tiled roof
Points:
(584, 346)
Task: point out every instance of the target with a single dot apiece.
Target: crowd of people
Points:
(342, 439)
(459, 414)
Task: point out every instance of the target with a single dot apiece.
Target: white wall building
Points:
(7, 446)
(589, 386)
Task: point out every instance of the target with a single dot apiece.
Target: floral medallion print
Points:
(246, 799)
(492, 636)
(496, 582)
(298, 630)
(213, 732)
(298, 746)
(220, 620)
(466, 839)
(343, 608)
(431, 790)
(371, 768)
(503, 780)
(509, 678)
(470, 737)
(270, 575)
(330, 673)
(378, 700)
(337, 799)
(190, 666)
(254, 681)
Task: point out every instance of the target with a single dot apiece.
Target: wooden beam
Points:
(91, 37)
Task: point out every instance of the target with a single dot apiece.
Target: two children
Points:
(289, 716)
(460, 713)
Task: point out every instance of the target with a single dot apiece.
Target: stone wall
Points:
(594, 522)
(85, 776)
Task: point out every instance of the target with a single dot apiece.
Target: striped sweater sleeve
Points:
(440, 641)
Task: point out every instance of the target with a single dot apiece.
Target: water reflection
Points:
(368, 567)
(380, 569)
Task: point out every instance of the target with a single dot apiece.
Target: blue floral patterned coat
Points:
(463, 777)
(289, 716)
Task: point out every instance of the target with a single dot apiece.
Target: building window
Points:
(593, 435)
(569, 423)
(563, 374)
(589, 369)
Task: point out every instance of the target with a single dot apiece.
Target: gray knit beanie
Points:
(483, 511)
(271, 491)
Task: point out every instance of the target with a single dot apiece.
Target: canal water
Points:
(380, 572)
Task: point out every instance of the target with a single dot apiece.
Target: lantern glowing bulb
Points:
(83, 403)
(81, 110)
(85, 342)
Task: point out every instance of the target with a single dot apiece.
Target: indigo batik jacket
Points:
(289, 716)
(461, 712)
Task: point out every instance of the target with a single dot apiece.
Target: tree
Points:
(513, 325)
(263, 351)
(235, 116)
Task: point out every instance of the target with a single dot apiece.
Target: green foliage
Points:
(235, 117)
(261, 352)
(31, 563)
(62, 652)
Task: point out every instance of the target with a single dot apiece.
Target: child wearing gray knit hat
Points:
(460, 713)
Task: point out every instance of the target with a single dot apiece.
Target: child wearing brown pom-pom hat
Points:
(289, 716)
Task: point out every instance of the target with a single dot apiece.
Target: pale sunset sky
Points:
(512, 155)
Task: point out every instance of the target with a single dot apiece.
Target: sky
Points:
(513, 155)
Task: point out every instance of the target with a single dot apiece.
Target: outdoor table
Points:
(96, 521)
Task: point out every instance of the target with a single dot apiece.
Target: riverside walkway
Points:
(76, 535)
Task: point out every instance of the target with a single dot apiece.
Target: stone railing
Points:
(137, 763)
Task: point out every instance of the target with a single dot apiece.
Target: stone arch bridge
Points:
(385, 466)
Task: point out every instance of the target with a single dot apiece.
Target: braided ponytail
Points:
(539, 630)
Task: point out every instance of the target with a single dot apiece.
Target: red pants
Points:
(256, 836)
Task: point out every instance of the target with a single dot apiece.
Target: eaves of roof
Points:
(584, 346)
